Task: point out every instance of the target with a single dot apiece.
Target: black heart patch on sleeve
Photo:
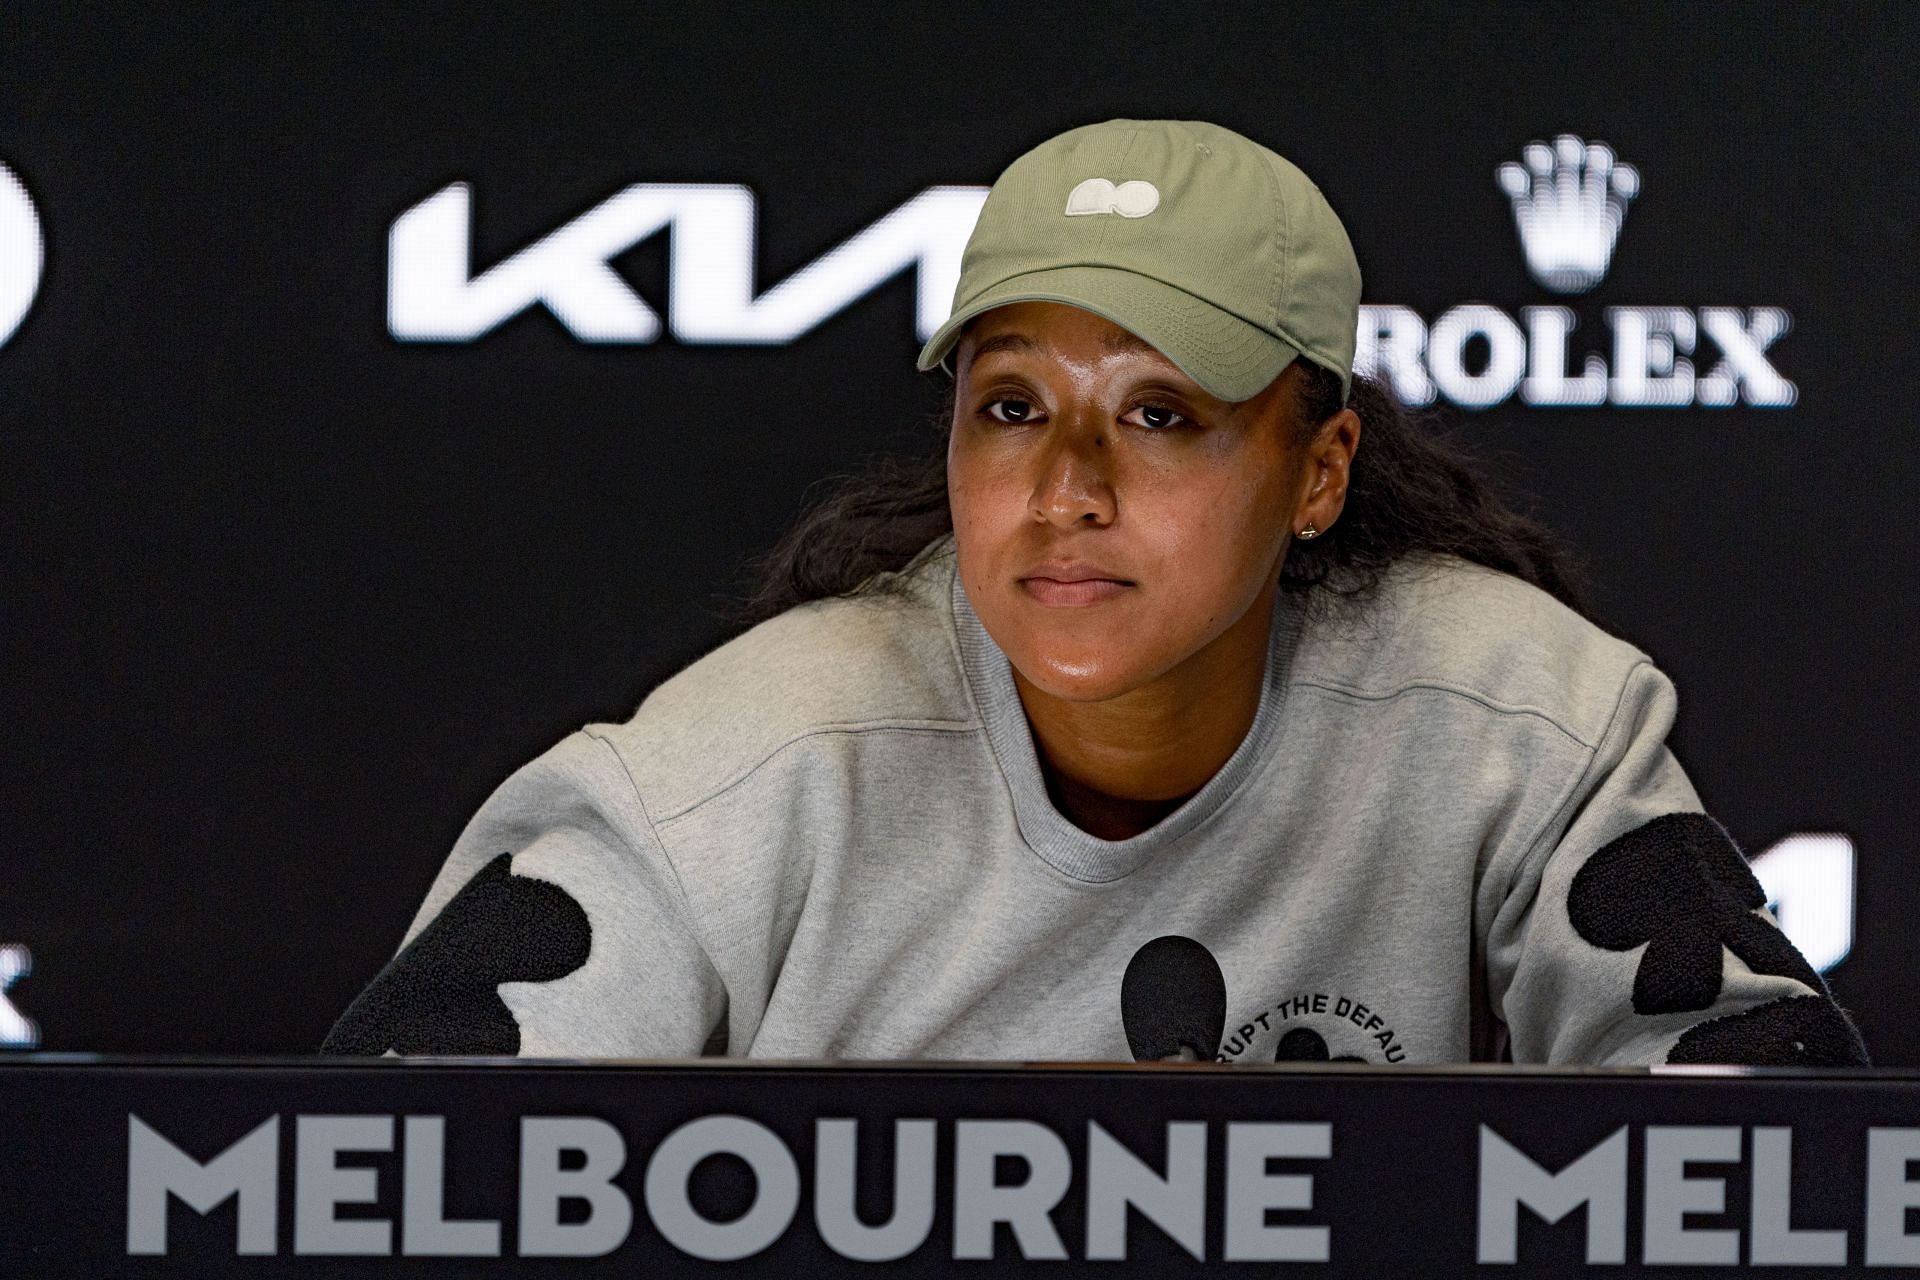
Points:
(1679, 885)
(441, 994)
(1793, 1031)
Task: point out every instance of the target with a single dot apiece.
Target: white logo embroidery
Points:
(1134, 199)
(21, 253)
(1568, 203)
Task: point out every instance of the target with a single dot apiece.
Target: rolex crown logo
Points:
(1569, 200)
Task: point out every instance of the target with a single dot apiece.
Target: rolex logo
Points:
(1569, 200)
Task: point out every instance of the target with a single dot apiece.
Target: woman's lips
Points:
(1078, 591)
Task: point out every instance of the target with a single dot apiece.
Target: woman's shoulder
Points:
(883, 658)
(1439, 622)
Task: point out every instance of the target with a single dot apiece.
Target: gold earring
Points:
(1307, 534)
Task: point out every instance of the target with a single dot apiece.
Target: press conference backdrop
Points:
(384, 393)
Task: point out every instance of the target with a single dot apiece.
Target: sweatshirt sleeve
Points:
(1633, 931)
(556, 928)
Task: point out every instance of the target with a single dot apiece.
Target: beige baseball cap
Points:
(1217, 251)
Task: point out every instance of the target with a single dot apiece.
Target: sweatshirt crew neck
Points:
(1053, 837)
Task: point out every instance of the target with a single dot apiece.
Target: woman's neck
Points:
(1117, 767)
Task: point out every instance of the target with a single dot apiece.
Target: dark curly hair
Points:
(1410, 489)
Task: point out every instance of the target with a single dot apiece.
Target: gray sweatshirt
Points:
(1454, 832)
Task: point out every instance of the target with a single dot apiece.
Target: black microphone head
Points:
(1173, 995)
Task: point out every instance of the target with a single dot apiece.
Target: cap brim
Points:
(1230, 359)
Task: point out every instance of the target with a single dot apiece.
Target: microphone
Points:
(1173, 1001)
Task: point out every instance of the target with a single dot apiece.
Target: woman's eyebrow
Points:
(1119, 340)
(1005, 342)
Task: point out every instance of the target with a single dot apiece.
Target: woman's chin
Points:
(1078, 676)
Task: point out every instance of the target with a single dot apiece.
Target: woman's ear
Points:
(1328, 464)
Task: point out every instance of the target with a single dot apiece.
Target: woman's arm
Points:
(1633, 931)
(555, 929)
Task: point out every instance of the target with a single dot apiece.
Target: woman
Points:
(1231, 719)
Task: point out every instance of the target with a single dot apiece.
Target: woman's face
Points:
(1112, 519)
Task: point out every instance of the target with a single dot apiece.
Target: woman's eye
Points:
(1012, 411)
(1158, 416)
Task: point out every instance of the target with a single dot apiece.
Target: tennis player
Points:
(1197, 703)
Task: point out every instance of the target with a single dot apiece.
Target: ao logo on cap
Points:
(21, 253)
(1135, 199)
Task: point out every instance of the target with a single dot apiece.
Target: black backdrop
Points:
(285, 597)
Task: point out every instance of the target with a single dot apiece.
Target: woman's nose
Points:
(1075, 487)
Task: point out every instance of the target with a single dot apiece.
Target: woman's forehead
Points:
(1059, 331)
(1034, 326)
